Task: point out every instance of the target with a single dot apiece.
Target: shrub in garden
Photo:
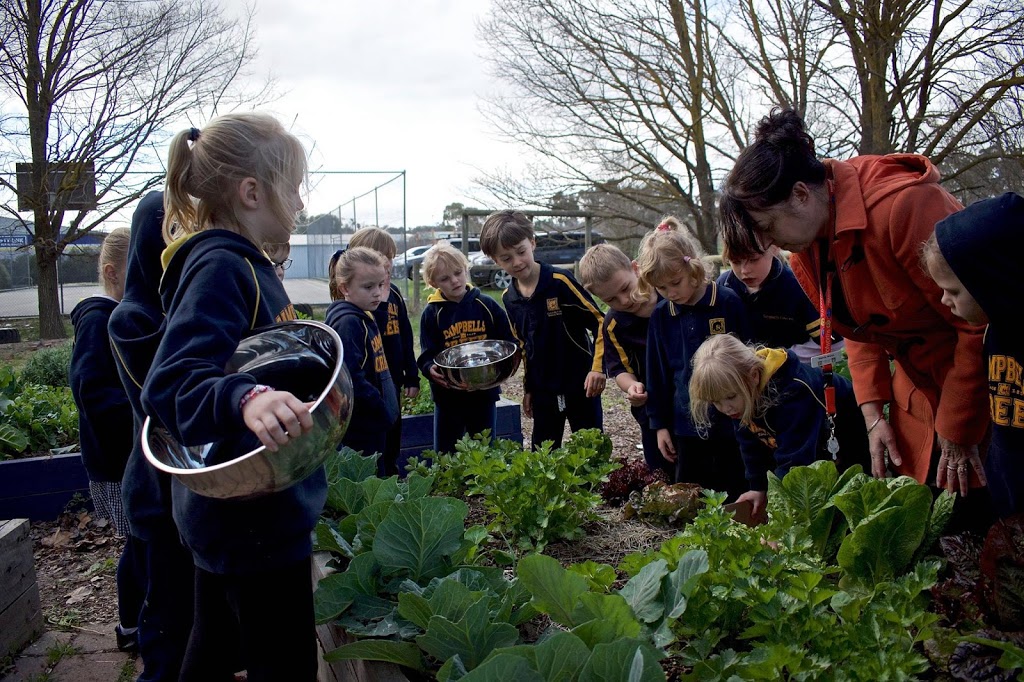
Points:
(48, 367)
(34, 418)
(536, 496)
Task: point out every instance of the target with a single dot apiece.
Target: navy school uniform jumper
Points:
(106, 429)
(674, 334)
(444, 324)
(794, 430)
(780, 314)
(981, 244)
(165, 565)
(559, 329)
(217, 287)
(375, 401)
(625, 343)
(392, 318)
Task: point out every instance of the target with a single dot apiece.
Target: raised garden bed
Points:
(21, 619)
(39, 488)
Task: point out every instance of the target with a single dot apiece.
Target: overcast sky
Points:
(383, 85)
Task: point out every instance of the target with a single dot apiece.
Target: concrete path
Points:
(87, 654)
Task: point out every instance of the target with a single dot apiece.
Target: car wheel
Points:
(501, 279)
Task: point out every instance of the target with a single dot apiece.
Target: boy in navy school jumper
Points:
(973, 256)
(607, 273)
(392, 318)
(457, 312)
(558, 326)
(164, 564)
(780, 314)
(105, 421)
(692, 310)
(360, 277)
(778, 406)
(217, 287)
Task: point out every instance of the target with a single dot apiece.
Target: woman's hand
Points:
(881, 440)
(955, 464)
(668, 450)
(636, 394)
(594, 384)
(759, 500)
(276, 417)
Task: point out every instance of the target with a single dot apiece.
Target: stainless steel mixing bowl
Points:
(479, 365)
(302, 357)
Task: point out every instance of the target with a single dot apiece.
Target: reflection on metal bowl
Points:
(479, 365)
(302, 357)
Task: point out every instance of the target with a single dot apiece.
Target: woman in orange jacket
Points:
(855, 229)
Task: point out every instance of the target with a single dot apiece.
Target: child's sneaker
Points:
(126, 638)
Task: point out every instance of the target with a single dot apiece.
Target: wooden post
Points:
(21, 619)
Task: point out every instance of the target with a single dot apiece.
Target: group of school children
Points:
(210, 587)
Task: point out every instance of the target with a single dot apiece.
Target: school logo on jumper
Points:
(286, 315)
(392, 327)
(764, 436)
(380, 361)
(717, 325)
(553, 308)
(1006, 391)
(463, 331)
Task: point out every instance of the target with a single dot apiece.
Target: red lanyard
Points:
(825, 310)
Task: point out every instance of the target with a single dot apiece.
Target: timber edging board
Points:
(21, 618)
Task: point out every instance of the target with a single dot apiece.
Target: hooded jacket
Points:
(559, 329)
(885, 305)
(794, 430)
(375, 402)
(105, 423)
(135, 327)
(980, 244)
(445, 323)
(392, 318)
(217, 287)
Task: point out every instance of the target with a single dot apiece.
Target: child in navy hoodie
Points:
(360, 278)
(973, 257)
(457, 313)
(693, 310)
(559, 327)
(392, 320)
(778, 406)
(230, 187)
(607, 273)
(165, 565)
(105, 420)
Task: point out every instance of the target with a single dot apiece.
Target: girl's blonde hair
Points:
(668, 252)
(375, 238)
(724, 366)
(205, 167)
(442, 256)
(114, 252)
(600, 263)
(344, 267)
(932, 260)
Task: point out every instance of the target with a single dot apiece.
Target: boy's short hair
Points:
(442, 256)
(504, 229)
(375, 238)
(600, 262)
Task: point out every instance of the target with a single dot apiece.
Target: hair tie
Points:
(664, 227)
(686, 259)
(193, 134)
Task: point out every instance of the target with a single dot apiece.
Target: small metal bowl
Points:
(479, 365)
(302, 357)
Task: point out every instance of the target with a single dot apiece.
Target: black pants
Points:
(165, 619)
(549, 422)
(713, 463)
(273, 613)
(388, 463)
(131, 586)
(649, 440)
(453, 421)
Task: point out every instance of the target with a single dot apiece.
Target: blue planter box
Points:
(39, 488)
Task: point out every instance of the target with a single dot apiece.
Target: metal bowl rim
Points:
(252, 453)
(514, 346)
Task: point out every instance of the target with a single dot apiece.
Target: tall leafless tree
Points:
(102, 82)
(650, 100)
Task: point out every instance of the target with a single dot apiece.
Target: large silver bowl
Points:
(302, 357)
(479, 365)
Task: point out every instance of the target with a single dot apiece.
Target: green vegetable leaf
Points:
(1013, 655)
(618, 661)
(683, 581)
(399, 653)
(502, 668)
(336, 592)
(604, 618)
(417, 535)
(561, 656)
(643, 591)
(415, 609)
(600, 576)
(329, 539)
(881, 546)
(555, 590)
(472, 637)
